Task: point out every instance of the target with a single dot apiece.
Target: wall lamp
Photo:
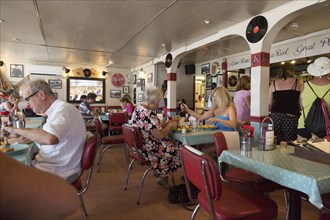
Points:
(1, 63)
(66, 70)
(104, 73)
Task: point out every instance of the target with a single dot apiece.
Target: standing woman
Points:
(222, 112)
(242, 100)
(158, 150)
(321, 85)
(284, 103)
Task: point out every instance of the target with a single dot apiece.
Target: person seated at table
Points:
(158, 150)
(28, 193)
(181, 110)
(127, 105)
(83, 97)
(85, 107)
(61, 139)
(222, 113)
(11, 104)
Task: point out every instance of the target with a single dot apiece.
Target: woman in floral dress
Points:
(158, 150)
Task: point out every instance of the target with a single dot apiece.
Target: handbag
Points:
(178, 194)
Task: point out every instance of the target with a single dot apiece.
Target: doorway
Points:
(199, 98)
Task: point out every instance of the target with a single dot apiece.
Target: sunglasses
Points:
(27, 99)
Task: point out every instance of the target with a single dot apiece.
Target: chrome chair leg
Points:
(142, 183)
(128, 173)
(101, 156)
(82, 207)
(195, 211)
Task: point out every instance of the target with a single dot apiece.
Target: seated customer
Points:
(222, 112)
(11, 104)
(127, 105)
(85, 108)
(159, 151)
(61, 139)
(28, 193)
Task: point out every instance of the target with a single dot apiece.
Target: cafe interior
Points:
(118, 48)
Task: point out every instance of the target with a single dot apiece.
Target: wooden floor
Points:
(106, 198)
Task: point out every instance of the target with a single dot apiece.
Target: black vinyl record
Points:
(87, 72)
(168, 60)
(256, 29)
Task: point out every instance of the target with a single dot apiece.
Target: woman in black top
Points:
(284, 104)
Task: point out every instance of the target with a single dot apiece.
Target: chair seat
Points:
(116, 128)
(240, 201)
(253, 180)
(134, 156)
(77, 184)
(326, 200)
(114, 139)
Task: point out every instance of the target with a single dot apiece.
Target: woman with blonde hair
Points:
(11, 104)
(158, 150)
(222, 112)
(242, 99)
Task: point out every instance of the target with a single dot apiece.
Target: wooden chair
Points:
(87, 161)
(133, 139)
(222, 200)
(105, 142)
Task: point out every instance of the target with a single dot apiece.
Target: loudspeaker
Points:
(190, 69)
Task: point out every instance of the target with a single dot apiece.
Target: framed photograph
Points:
(208, 81)
(140, 97)
(150, 77)
(55, 83)
(125, 89)
(134, 79)
(138, 82)
(115, 93)
(219, 80)
(16, 70)
(208, 94)
(232, 80)
(205, 68)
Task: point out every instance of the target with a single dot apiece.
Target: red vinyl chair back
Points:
(133, 140)
(98, 127)
(226, 140)
(202, 171)
(116, 121)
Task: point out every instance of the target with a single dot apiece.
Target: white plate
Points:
(19, 149)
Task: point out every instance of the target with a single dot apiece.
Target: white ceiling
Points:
(130, 33)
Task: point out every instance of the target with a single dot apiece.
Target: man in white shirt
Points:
(61, 139)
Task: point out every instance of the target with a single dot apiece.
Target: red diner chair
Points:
(326, 201)
(116, 121)
(133, 139)
(105, 142)
(86, 163)
(222, 200)
(230, 140)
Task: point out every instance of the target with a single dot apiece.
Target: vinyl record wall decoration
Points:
(168, 60)
(256, 29)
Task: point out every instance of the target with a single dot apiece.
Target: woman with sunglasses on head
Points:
(11, 104)
(222, 113)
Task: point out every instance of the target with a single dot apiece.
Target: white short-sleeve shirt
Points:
(67, 124)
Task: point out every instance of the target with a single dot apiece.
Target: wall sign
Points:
(117, 79)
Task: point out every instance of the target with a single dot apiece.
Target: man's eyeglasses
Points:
(27, 99)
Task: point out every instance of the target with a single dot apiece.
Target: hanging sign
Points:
(117, 79)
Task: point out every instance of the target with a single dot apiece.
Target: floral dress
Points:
(162, 155)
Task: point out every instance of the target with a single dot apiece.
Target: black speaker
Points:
(190, 69)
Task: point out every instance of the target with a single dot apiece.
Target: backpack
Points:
(317, 120)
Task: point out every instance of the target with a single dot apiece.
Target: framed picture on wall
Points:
(205, 68)
(115, 93)
(55, 83)
(219, 81)
(134, 79)
(232, 80)
(150, 77)
(125, 89)
(16, 70)
(208, 80)
(140, 97)
(138, 82)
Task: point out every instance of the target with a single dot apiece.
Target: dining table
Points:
(283, 166)
(197, 137)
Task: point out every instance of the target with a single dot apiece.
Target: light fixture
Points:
(16, 39)
(309, 60)
(282, 62)
(104, 73)
(206, 22)
(66, 70)
(2, 21)
(141, 71)
(1, 63)
(293, 61)
(163, 45)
